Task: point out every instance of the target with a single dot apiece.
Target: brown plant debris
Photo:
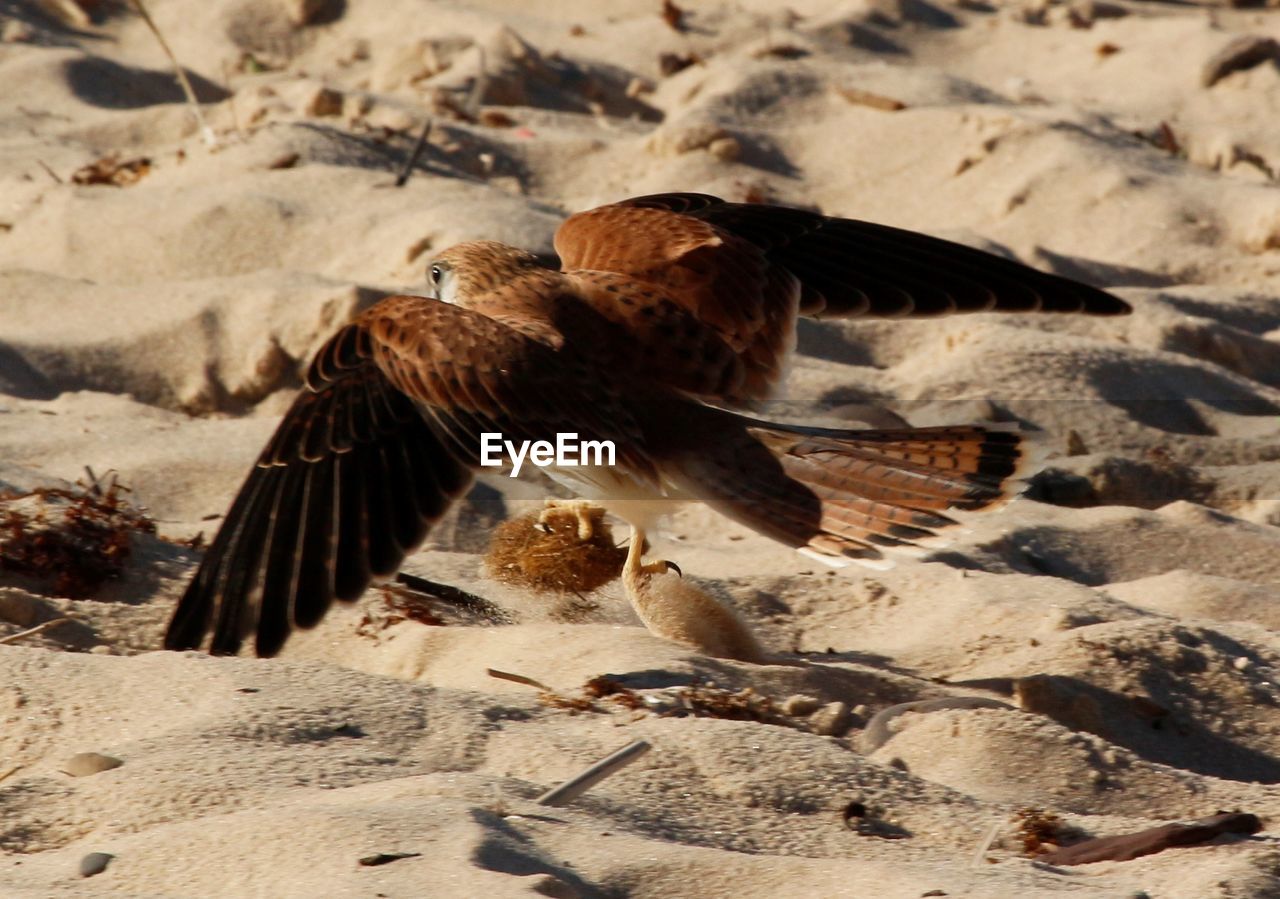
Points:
(399, 605)
(1129, 846)
(547, 696)
(112, 171)
(1244, 52)
(1165, 139)
(496, 118)
(670, 63)
(867, 98)
(517, 679)
(781, 51)
(604, 687)
(76, 539)
(550, 556)
(1040, 831)
(710, 701)
(673, 15)
(571, 704)
(413, 598)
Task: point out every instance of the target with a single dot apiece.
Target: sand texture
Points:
(159, 298)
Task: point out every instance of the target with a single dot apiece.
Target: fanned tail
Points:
(844, 496)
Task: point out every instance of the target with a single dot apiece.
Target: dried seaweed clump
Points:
(602, 686)
(693, 701)
(109, 170)
(548, 555)
(1040, 831)
(77, 539)
(710, 701)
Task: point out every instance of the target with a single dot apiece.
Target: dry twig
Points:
(574, 787)
(210, 139)
(32, 631)
(517, 679)
(412, 161)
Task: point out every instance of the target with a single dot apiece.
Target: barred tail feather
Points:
(842, 496)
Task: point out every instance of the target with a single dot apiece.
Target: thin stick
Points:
(518, 679)
(210, 139)
(981, 855)
(574, 787)
(52, 173)
(413, 157)
(231, 99)
(478, 87)
(32, 631)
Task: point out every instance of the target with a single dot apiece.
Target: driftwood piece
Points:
(1129, 846)
(1244, 52)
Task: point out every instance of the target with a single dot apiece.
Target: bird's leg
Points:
(635, 567)
(581, 509)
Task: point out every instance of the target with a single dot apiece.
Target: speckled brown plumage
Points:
(663, 304)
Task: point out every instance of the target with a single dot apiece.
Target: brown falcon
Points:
(667, 312)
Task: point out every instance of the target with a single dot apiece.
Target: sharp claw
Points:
(672, 566)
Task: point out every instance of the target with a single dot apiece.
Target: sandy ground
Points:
(1126, 612)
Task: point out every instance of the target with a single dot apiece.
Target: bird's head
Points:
(468, 270)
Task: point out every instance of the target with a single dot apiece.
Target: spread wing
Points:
(741, 273)
(370, 455)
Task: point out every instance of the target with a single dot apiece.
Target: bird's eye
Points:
(436, 274)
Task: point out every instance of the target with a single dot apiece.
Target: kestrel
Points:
(668, 313)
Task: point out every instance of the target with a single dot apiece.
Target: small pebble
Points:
(800, 704)
(637, 87)
(678, 138)
(324, 102)
(1241, 664)
(726, 149)
(832, 720)
(83, 764)
(95, 863)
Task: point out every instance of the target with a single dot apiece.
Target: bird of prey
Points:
(670, 315)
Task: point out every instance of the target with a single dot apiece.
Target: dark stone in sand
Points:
(95, 863)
